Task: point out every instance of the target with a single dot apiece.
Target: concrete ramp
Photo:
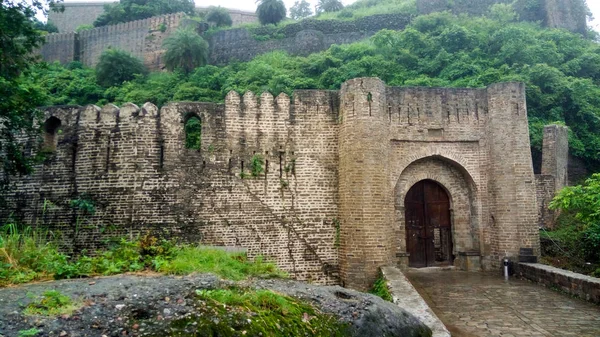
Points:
(407, 297)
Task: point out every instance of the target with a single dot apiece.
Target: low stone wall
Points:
(407, 297)
(582, 286)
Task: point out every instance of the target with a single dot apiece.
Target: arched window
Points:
(193, 133)
(51, 128)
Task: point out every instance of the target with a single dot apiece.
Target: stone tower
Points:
(365, 195)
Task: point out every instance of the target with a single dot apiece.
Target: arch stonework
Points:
(464, 203)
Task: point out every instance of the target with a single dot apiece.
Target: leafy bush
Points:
(218, 16)
(584, 202)
(116, 66)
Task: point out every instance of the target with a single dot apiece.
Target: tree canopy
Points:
(270, 11)
(329, 6)
(19, 36)
(218, 16)
(300, 10)
(116, 66)
(130, 10)
(186, 50)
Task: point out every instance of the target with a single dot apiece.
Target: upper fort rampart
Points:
(85, 13)
(144, 38)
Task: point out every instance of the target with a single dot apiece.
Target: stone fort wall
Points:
(142, 39)
(337, 165)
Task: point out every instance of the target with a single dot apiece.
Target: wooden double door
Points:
(428, 225)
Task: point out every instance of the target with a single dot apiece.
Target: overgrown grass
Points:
(381, 289)
(190, 259)
(28, 255)
(52, 303)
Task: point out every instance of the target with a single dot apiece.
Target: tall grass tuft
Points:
(26, 254)
(190, 259)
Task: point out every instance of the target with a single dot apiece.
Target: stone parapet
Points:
(579, 285)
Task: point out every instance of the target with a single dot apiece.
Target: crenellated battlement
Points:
(315, 181)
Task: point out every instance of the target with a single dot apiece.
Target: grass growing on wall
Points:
(29, 255)
(381, 289)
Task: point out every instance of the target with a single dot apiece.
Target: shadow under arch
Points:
(462, 191)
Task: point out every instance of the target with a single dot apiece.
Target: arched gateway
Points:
(428, 225)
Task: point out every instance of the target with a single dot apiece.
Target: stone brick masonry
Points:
(328, 206)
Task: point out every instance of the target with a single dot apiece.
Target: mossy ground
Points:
(246, 312)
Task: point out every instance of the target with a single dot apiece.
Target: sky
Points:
(250, 5)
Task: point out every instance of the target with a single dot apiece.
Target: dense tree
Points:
(329, 6)
(218, 16)
(300, 10)
(19, 97)
(48, 27)
(116, 66)
(270, 11)
(130, 10)
(186, 50)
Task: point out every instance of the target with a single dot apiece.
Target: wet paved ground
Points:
(482, 304)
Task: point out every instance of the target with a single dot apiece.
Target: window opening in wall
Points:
(51, 129)
(193, 133)
(369, 99)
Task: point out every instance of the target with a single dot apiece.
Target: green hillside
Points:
(561, 70)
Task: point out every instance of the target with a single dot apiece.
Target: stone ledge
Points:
(407, 297)
(579, 285)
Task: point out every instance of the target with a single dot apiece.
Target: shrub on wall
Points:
(218, 16)
(270, 11)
